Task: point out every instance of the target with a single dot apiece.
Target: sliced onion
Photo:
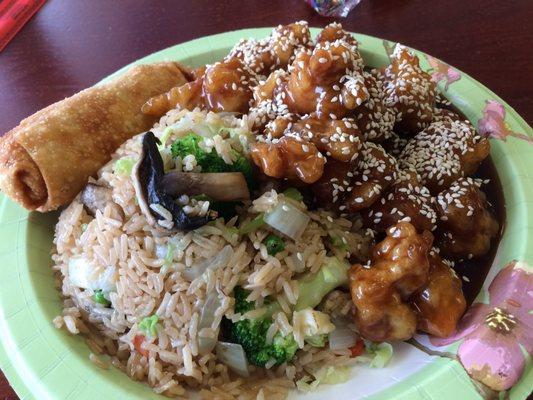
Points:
(342, 338)
(233, 356)
(218, 261)
(288, 219)
(212, 303)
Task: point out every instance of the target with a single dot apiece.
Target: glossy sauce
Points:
(475, 271)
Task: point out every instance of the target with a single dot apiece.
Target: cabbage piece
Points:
(382, 353)
(233, 356)
(288, 219)
(221, 259)
(85, 275)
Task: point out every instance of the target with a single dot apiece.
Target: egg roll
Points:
(47, 159)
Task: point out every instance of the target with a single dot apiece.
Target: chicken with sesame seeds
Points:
(374, 117)
(326, 80)
(268, 102)
(465, 226)
(375, 171)
(338, 139)
(224, 86)
(333, 32)
(398, 269)
(444, 114)
(441, 303)
(277, 127)
(330, 189)
(276, 51)
(287, 40)
(405, 200)
(410, 91)
(444, 152)
(289, 158)
(394, 144)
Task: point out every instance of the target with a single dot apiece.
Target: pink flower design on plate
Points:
(441, 71)
(494, 333)
(492, 124)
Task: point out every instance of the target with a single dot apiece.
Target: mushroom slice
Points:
(95, 197)
(156, 204)
(221, 186)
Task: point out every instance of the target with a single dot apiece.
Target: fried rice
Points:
(150, 271)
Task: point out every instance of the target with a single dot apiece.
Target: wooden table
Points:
(71, 44)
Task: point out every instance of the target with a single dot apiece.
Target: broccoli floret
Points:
(313, 287)
(242, 164)
(242, 305)
(251, 334)
(211, 162)
(190, 145)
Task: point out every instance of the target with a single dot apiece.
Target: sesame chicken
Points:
(409, 90)
(224, 86)
(327, 80)
(338, 139)
(289, 158)
(466, 226)
(276, 51)
(405, 200)
(441, 303)
(376, 170)
(374, 118)
(444, 152)
(398, 269)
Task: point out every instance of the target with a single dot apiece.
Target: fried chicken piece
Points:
(224, 86)
(276, 128)
(327, 81)
(333, 32)
(405, 199)
(375, 171)
(187, 96)
(276, 51)
(287, 40)
(394, 144)
(289, 158)
(269, 101)
(374, 118)
(444, 152)
(399, 267)
(338, 139)
(443, 114)
(465, 226)
(410, 91)
(336, 175)
(441, 303)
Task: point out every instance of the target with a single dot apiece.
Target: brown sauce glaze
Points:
(473, 272)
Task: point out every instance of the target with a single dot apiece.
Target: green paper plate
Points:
(44, 363)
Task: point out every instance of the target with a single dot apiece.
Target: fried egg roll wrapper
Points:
(47, 159)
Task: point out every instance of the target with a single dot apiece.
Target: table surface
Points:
(71, 44)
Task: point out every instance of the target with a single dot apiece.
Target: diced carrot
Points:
(137, 344)
(358, 348)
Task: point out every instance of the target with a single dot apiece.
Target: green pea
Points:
(99, 298)
(274, 244)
